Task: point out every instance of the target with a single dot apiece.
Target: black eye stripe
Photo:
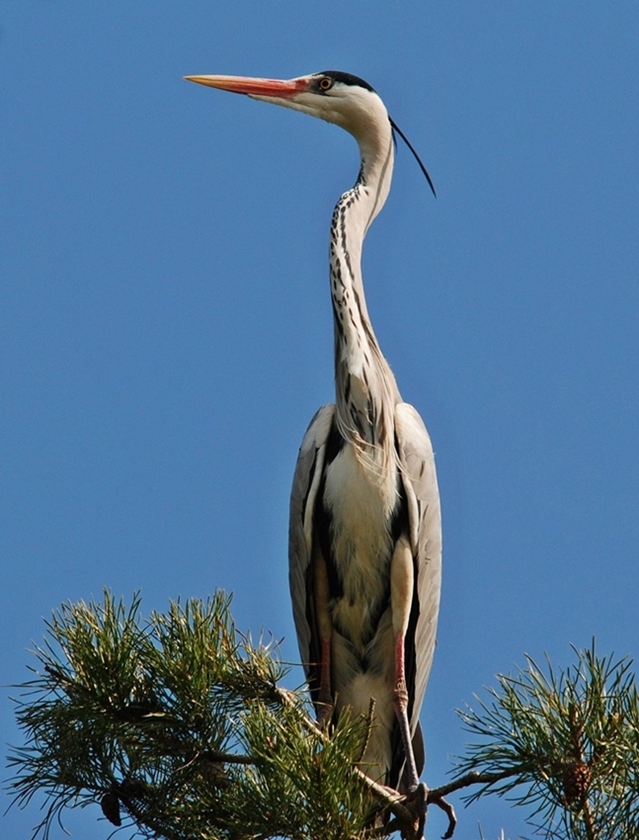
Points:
(346, 79)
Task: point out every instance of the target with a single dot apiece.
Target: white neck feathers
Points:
(365, 386)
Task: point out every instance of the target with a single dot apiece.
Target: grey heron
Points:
(365, 525)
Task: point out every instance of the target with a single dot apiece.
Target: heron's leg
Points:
(402, 585)
(325, 629)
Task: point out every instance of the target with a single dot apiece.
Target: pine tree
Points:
(178, 726)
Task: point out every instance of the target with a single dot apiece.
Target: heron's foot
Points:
(448, 809)
(415, 804)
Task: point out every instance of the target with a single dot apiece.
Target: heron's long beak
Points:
(254, 87)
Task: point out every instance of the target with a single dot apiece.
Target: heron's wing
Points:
(425, 533)
(306, 483)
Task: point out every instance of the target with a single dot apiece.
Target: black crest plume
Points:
(397, 129)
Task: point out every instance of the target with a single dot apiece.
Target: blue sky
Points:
(166, 332)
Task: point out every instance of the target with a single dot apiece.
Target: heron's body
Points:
(365, 535)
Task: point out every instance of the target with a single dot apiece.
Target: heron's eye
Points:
(325, 83)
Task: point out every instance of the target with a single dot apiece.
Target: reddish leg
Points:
(324, 703)
(402, 585)
(400, 702)
(325, 698)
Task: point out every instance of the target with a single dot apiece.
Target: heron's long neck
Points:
(366, 390)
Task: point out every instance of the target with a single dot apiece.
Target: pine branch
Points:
(564, 744)
(176, 725)
(472, 778)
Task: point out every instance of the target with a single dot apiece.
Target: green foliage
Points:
(566, 744)
(177, 725)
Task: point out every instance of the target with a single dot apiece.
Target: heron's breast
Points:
(361, 508)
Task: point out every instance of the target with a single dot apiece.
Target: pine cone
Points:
(576, 782)
(111, 807)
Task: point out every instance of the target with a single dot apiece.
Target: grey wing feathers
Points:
(306, 482)
(420, 483)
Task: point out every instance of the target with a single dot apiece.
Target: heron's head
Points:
(336, 97)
